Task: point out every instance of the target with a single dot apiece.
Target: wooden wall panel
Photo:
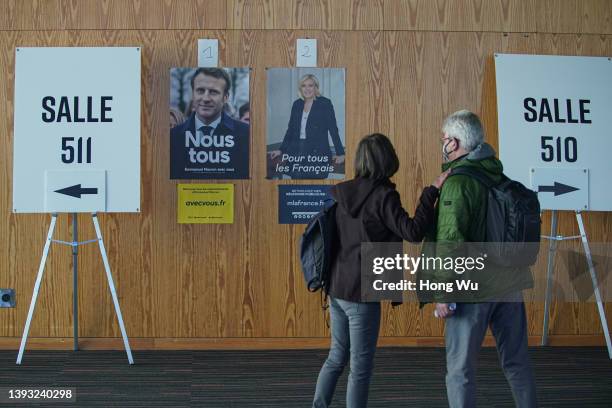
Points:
(559, 16)
(112, 14)
(243, 280)
(544, 16)
(31, 14)
(567, 16)
(465, 15)
(260, 14)
(305, 14)
(596, 17)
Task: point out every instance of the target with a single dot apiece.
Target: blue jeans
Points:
(465, 331)
(354, 333)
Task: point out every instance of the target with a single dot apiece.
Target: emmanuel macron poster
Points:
(209, 123)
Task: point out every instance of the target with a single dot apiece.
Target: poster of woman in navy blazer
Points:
(305, 152)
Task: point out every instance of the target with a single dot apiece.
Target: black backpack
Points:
(317, 247)
(513, 220)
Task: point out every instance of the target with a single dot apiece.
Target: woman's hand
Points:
(338, 159)
(441, 179)
(274, 154)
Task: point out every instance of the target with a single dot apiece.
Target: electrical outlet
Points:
(7, 297)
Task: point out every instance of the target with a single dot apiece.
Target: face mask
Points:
(445, 154)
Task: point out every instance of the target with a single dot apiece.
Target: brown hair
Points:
(376, 158)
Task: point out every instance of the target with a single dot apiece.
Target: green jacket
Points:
(461, 217)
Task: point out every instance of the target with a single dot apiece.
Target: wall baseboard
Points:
(268, 343)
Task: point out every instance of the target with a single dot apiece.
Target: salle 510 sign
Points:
(554, 114)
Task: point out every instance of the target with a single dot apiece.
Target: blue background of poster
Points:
(297, 204)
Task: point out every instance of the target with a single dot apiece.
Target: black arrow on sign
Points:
(76, 191)
(557, 188)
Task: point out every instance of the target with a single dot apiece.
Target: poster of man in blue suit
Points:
(207, 138)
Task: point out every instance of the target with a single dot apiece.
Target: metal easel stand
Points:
(41, 269)
(554, 238)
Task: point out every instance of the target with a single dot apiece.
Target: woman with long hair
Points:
(369, 210)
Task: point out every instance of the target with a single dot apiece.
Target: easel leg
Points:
(41, 271)
(600, 306)
(75, 286)
(111, 286)
(552, 249)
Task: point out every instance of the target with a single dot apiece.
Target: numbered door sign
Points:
(77, 130)
(306, 52)
(208, 53)
(554, 133)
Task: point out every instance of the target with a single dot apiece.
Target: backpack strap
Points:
(329, 203)
(474, 173)
(324, 307)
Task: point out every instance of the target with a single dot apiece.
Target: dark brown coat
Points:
(371, 211)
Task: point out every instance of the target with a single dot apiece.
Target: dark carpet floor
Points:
(403, 377)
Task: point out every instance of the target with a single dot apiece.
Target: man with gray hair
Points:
(462, 217)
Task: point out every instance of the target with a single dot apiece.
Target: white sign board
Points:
(306, 52)
(208, 52)
(76, 145)
(554, 117)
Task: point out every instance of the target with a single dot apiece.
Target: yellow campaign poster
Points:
(206, 203)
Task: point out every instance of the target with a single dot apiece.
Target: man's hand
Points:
(338, 159)
(443, 311)
(274, 154)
